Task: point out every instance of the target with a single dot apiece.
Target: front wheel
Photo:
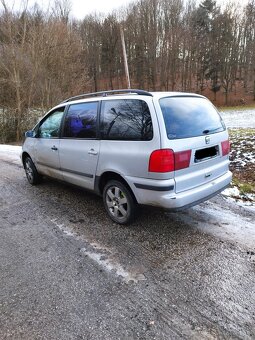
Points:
(119, 202)
(32, 175)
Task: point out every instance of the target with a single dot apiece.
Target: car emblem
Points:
(207, 139)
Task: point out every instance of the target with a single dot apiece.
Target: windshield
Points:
(190, 117)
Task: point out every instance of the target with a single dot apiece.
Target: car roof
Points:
(161, 94)
(108, 95)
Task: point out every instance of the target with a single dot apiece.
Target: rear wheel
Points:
(119, 202)
(32, 175)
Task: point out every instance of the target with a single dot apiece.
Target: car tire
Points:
(32, 174)
(119, 202)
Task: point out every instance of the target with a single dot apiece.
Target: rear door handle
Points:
(92, 152)
(54, 148)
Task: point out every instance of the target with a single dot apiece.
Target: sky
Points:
(80, 8)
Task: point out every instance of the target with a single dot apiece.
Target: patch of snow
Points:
(248, 205)
(239, 118)
(110, 265)
(214, 219)
(10, 153)
(64, 229)
(101, 255)
(231, 192)
(234, 192)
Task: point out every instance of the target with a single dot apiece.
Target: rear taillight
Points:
(225, 146)
(166, 160)
(161, 161)
(182, 159)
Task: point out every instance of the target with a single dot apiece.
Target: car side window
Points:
(126, 119)
(81, 121)
(50, 127)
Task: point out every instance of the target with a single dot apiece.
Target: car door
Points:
(79, 146)
(46, 145)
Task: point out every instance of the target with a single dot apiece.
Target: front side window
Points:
(50, 127)
(81, 120)
(126, 119)
(190, 117)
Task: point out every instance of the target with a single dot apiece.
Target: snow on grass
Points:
(244, 200)
(242, 147)
(239, 117)
(242, 164)
(231, 192)
(241, 124)
(10, 153)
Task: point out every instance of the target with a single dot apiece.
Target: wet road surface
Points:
(68, 272)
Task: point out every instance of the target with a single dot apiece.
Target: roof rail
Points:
(105, 93)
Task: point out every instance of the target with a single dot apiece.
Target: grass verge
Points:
(242, 160)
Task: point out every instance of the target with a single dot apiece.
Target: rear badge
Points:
(207, 139)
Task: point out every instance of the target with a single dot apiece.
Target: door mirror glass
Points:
(30, 133)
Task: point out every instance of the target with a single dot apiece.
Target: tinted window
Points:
(190, 117)
(50, 127)
(80, 121)
(126, 119)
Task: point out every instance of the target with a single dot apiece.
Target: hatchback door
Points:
(79, 146)
(199, 140)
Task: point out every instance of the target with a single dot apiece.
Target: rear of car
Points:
(192, 163)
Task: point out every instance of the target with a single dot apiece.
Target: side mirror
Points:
(30, 133)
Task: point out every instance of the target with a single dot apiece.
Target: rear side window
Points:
(190, 117)
(126, 119)
(80, 121)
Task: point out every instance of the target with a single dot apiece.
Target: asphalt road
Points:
(68, 272)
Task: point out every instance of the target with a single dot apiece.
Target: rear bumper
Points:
(172, 201)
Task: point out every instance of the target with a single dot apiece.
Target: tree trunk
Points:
(19, 112)
(226, 96)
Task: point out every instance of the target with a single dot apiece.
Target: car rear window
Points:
(190, 117)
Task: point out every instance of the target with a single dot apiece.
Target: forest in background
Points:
(172, 45)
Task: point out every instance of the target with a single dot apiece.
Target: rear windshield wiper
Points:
(205, 132)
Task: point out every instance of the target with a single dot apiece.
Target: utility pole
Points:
(125, 57)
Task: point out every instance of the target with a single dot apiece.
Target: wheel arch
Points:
(24, 156)
(101, 181)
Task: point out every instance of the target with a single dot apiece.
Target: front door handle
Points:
(54, 148)
(92, 152)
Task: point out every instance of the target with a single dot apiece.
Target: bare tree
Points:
(61, 10)
(248, 47)
(12, 62)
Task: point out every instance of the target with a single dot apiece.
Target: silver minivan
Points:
(163, 149)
